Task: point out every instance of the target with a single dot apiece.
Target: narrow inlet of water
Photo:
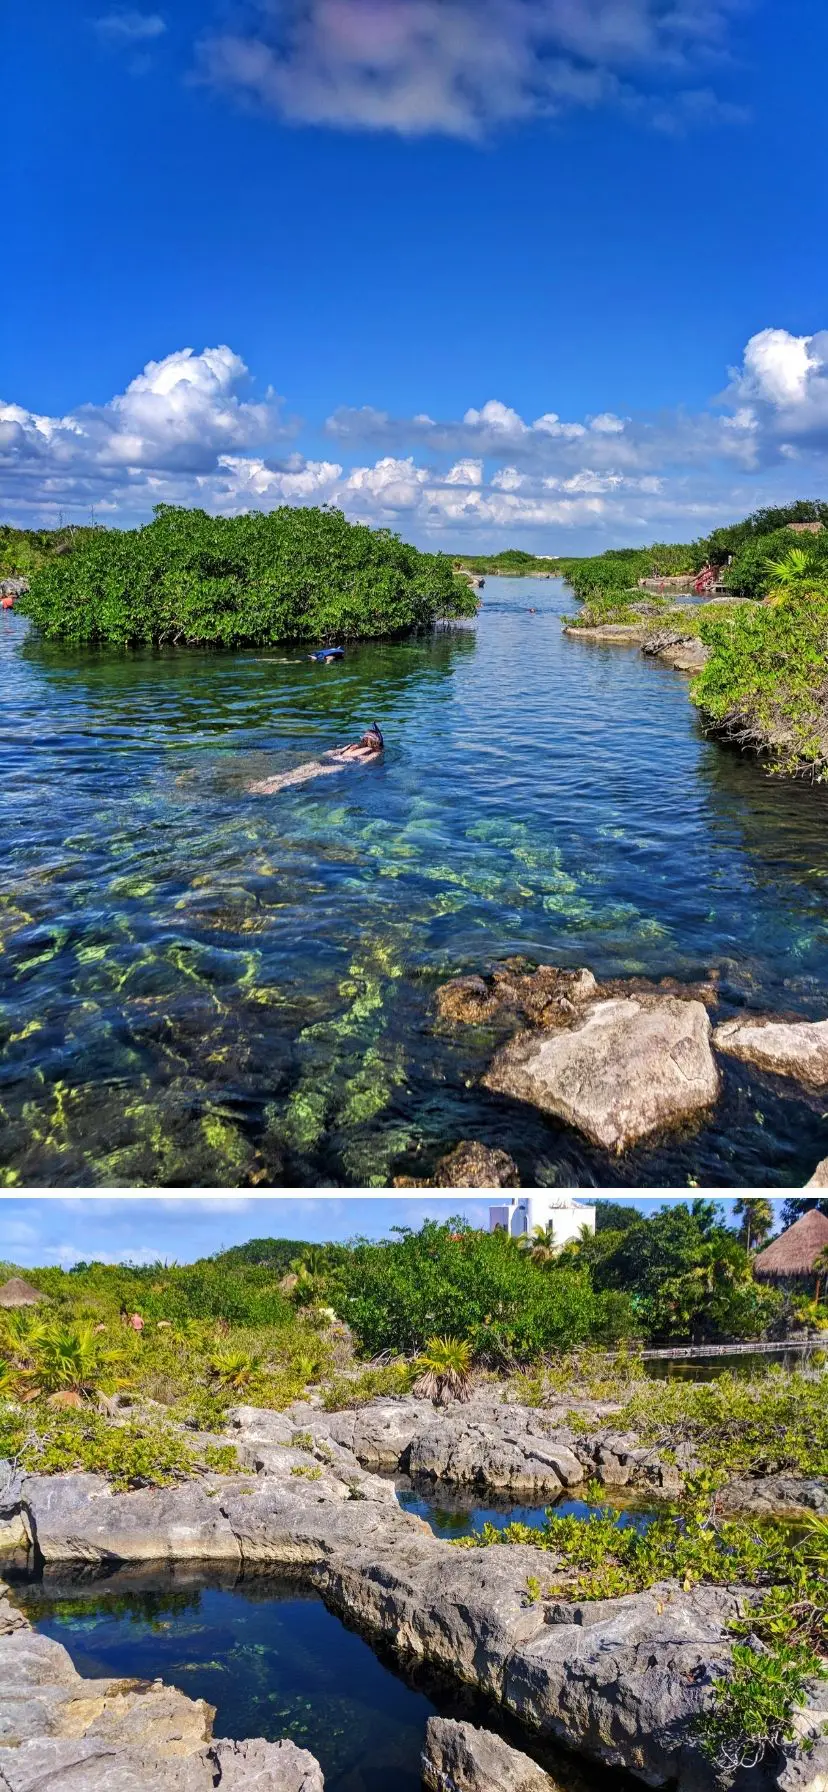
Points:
(200, 986)
(465, 1512)
(274, 1662)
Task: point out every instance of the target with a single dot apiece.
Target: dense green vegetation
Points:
(746, 555)
(245, 581)
(511, 562)
(22, 551)
(765, 682)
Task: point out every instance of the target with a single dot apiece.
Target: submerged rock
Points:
(459, 1758)
(546, 996)
(472, 1165)
(790, 1048)
(58, 1730)
(626, 1068)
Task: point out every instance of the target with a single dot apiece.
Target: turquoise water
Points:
(198, 985)
(274, 1662)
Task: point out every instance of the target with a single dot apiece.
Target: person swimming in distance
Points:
(360, 751)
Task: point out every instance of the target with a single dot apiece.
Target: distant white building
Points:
(559, 1216)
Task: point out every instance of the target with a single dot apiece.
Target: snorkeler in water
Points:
(368, 747)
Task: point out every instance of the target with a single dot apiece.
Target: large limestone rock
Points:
(509, 1456)
(459, 1758)
(62, 1733)
(626, 1068)
(820, 1175)
(789, 1048)
(79, 1518)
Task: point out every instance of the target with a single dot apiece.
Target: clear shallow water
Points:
(202, 986)
(274, 1663)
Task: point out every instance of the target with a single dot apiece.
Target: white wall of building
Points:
(559, 1214)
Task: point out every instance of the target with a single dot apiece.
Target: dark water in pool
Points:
(198, 985)
(275, 1662)
(745, 1365)
(459, 1515)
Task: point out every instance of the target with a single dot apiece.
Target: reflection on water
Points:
(198, 985)
(274, 1662)
(460, 1515)
(746, 1365)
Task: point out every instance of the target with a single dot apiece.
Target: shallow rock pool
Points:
(274, 1662)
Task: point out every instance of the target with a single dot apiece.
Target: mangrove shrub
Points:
(246, 581)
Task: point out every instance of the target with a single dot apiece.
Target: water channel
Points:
(273, 1661)
(202, 986)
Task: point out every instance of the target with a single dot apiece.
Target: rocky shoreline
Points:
(622, 1060)
(619, 1681)
(60, 1732)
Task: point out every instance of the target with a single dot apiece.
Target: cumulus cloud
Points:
(126, 30)
(175, 419)
(188, 430)
(462, 67)
(780, 394)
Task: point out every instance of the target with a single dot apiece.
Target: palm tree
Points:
(444, 1370)
(821, 1267)
(787, 574)
(757, 1221)
(539, 1244)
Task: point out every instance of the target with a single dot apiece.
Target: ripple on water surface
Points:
(198, 985)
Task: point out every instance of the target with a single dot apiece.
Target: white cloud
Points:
(126, 30)
(172, 423)
(461, 67)
(187, 430)
(780, 394)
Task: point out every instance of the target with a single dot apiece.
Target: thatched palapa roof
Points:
(794, 1252)
(18, 1293)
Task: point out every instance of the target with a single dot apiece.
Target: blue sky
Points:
(64, 1229)
(547, 272)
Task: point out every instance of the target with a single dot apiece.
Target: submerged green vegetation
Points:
(247, 581)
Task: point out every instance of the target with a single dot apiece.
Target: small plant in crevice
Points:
(444, 1370)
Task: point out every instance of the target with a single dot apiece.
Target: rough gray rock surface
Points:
(459, 1758)
(62, 1733)
(820, 1175)
(784, 1495)
(626, 1068)
(789, 1048)
(465, 1451)
(619, 1681)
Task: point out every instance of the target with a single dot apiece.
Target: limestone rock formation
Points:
(459, 1758)
(62, 1733)
(625, 1069)
(789, 1048)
